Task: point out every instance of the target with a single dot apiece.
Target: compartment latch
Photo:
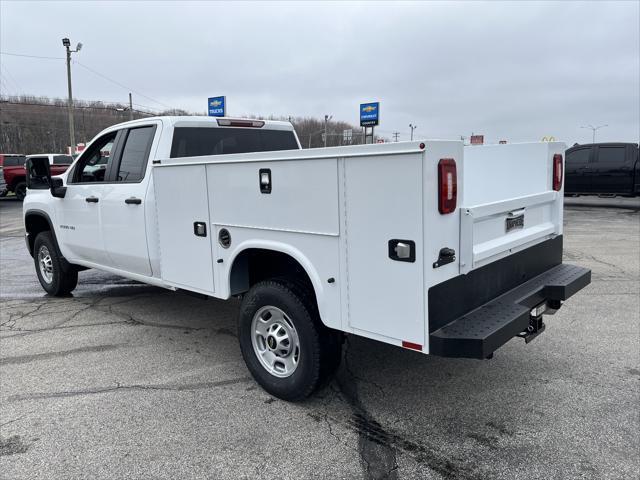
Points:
(446, 255)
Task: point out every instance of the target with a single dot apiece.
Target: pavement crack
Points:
(124, 388)
(17, 360)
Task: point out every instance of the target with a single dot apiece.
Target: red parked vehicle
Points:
(14, 172)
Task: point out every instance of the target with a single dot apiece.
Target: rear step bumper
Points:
(478, 333)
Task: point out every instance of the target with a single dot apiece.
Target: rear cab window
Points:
(135, 153)
(62, 160)
(199, 141)
(611, 155)
(17, 161)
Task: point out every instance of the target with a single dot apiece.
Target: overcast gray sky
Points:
(511, 70)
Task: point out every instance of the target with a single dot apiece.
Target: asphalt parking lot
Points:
(123, 380)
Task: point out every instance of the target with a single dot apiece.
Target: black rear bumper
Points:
(483, 328)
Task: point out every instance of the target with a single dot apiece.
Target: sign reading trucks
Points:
(217, 106)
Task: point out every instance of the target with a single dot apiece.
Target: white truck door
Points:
(79, 211)
(123, 205)
(184, 227)
(384, 250)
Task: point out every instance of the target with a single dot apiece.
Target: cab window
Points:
(578, 157)
(93, 164)
(612, 155)
(62, 160)
(135, 153)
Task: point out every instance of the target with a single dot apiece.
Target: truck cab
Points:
(603, 169)
(107, 216)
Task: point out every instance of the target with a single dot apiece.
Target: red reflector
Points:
(226, 122)
(447, 185)
(412, 346)
(557, 172)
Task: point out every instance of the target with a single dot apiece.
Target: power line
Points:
(95, 72)
(30, 56)
(121, 85)
(9, 76)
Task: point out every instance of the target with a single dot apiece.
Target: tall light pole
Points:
(412, 127)
(594, 130)
(326, 121)
(72, 134)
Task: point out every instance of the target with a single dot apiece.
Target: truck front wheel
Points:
(20, 190)
(54, 278)
(286, 347)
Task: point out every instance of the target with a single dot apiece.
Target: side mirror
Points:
(38, 173)
(39, 177)
(57, 188)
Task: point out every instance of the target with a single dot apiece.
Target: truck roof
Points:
(204, 121)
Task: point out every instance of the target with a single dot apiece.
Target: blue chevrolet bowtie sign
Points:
(217, 106)
(369, 114)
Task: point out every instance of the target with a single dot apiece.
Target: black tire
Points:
(319, 347)
(20, 190)
(63, 276)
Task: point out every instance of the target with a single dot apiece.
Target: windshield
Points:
(197, 141)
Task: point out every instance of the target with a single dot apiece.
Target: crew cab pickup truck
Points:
(14, 172)
(603, 169)
(423, 245)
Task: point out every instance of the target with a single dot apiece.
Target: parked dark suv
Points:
(602, 169)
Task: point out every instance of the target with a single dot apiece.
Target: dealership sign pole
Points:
(369, 118)
(217, 106)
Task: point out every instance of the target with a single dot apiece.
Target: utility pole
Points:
(395, 136)
(72, 134)
(326, 121)
(130, 107)
(594, 130)
(412, 127)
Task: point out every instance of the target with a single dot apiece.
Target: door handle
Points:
(402, 250)
(133, 201)
(91, 199)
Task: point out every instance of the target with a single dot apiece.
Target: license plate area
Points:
(515, 222)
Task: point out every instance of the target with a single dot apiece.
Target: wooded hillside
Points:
(39, 124)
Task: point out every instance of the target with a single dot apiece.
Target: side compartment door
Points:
(383, 220)
(123, 206)
(79, 210)
(184, 227)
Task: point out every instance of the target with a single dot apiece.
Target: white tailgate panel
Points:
(502, 181)
(383, 201)
(181, 199)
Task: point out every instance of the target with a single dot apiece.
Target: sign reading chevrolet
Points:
(369, 114)
(217, 106)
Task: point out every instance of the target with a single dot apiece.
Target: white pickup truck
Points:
(427, 245)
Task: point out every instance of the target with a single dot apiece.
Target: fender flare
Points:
(287, 249)
(34, 212)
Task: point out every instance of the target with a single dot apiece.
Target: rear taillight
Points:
(447, 185)
(557, 172)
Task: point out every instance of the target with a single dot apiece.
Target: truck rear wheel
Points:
(20, 190)
(54, 273)
(286, 347)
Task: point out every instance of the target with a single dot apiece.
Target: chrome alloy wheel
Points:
(46, 264)
(275, 341)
